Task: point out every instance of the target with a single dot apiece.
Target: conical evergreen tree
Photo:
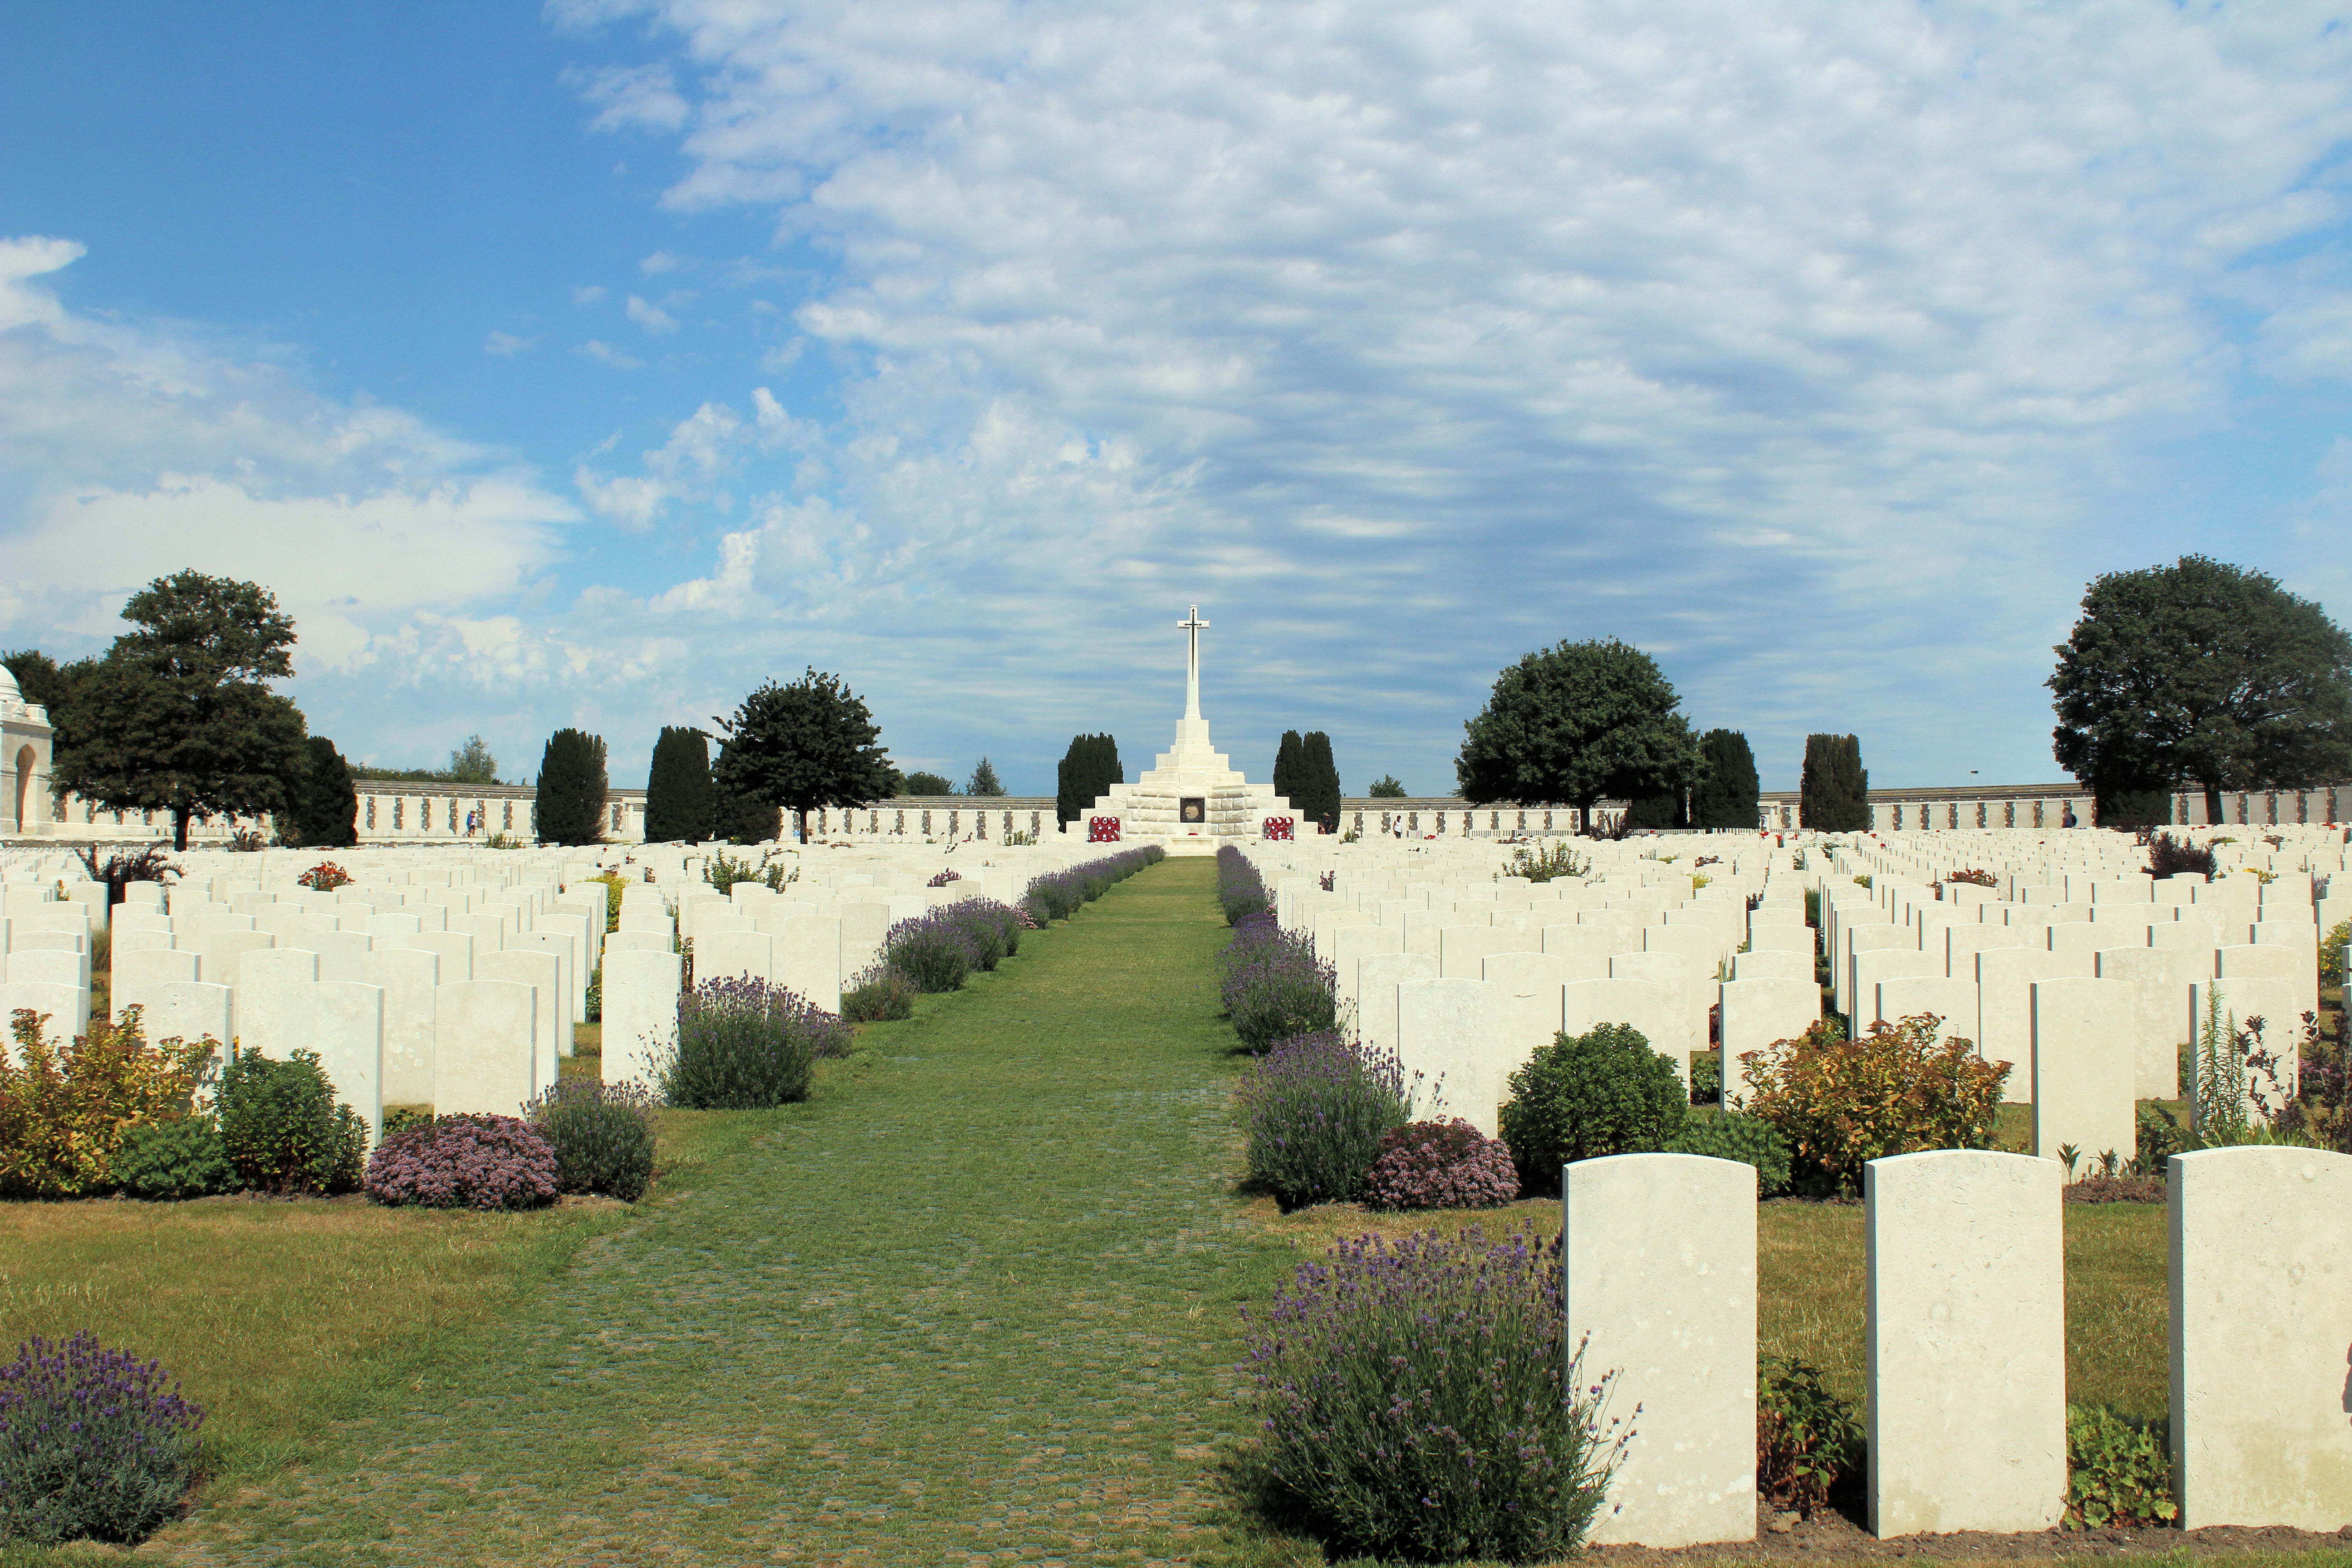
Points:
(1836, 794)
(678, 798)
(322, 806)
(572, 787)
(1317, 782)
(1730, 794)
(983, 781)
(1286, 758)
(1085, 775)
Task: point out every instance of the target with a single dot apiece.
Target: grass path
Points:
(974, 1301)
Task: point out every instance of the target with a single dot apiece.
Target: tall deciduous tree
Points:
(983, 781)
(2202, 673)
(176, 716)
(1574, 723)
(803, 746)
(1730, 794)
(472, 764)
(739, 820)
(1834, 795)
(1387, 787)
(1085, 773)
(680, 800)
(574, 787)
(322, 808)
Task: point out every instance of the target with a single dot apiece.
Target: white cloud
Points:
(645, 98)
(652, 318)
(589, 294)
(506, 345)
(660, 262)
(131, 450)
(596, 349)
(1434, 332)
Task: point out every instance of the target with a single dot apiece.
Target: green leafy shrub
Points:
(64, 1109)
(2331, 953)
(1420, 1402)
(2118, 1472)
(1545, 865)
(1706, 1078)
(1750, 1140)
(94, 1444)
(281, 1128)
(164, 1161)
(744, 1045)
(1842, 1102)
(603, 1135)
(1583, 1096)
(401, 1117)
(877, 994)
(1806, 1438)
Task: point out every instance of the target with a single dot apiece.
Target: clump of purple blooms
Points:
(603, 1135)
(1441, 1164)
(1313, 1111)
(1059, 895)
(1419, 1401)
(464, 1161)
(1241, 891)
(743, 1044)
(94, 1444)
(933, 953)
(876, 994)
(1274, 986)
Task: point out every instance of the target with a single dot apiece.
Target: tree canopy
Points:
(2202, 673)
(322, 809)
(176, 716)
(983, 781)
(574, 787)
(803, 746)
(679, 798)
(1386, 787)
(472, 764)
(1730, 794)
(1085, 775)
(1834, 795)
(923, 781)
(1574, 723)
(1315, 786)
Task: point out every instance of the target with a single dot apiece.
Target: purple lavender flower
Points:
(93, 1443)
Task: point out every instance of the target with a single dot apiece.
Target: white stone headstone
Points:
(640, 1029)
(342, 1020)
(485, 1041)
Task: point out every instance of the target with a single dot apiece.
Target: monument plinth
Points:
(1192, 798)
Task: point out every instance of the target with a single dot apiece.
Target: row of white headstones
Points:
(456, 984)
(1463, 970)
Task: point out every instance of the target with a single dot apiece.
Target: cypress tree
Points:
(1730, 794)
(322, 806)
(1085, 775)
(572, 784)
(1286, 760)
(679, 800)
(1835, 797)
(1318, 779)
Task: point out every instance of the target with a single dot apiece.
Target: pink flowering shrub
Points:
(1446, 1164)
(474, 1161)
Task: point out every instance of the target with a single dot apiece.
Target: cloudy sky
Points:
(588, 365)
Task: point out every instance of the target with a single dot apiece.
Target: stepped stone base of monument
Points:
(1191, 799)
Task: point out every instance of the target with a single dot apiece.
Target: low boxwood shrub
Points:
(603, 1135)
(744, 1044)
(1750, 1140)
(876, 995)
(65, 1105)
(1841, 1103)
(281, 1128)
(1443, 1164)
(1274, 985)
(1313, 1111)
(464, 1161)
(934, 953)
(94, 1444)
(1808, 1439)
(2118, 1472)
(164, 1161)
(1706, 1078)
(1419, 1401)
(1602, 1092)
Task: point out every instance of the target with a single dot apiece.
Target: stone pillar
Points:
(1967, 1342)
(641, 995)
(1658, 1284)
(2262, 1317)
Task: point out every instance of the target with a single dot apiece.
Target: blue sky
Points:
(588, 365)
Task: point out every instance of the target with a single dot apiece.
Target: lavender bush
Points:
(743, 1044)
(466, 1162)
(875, 994)
(987, 925)
(1418, 1402)
(1313, 1109)
(1241, 891)
(1059, 895)
(932, 952)
(603, 1135)
(1441, 1164)
(93, 1444)
(1274, 985)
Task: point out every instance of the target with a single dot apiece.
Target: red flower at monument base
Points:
(1278, 827)
(1102, 829)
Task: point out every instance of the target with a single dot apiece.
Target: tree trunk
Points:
(180, 829)
(2212, 805)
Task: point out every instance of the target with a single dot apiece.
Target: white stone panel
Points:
(409, 979)
(2153, 996)
(1527, 1001)
(641, 994)
(1445, 1034)
(1378, 977)
(543, 972)
(2085, 1064)
(810, 960)
(485, 1046)
(344, 1022)
(269, 1000)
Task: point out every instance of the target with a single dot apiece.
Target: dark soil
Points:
(2115, 1190)
(1833, 1537)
